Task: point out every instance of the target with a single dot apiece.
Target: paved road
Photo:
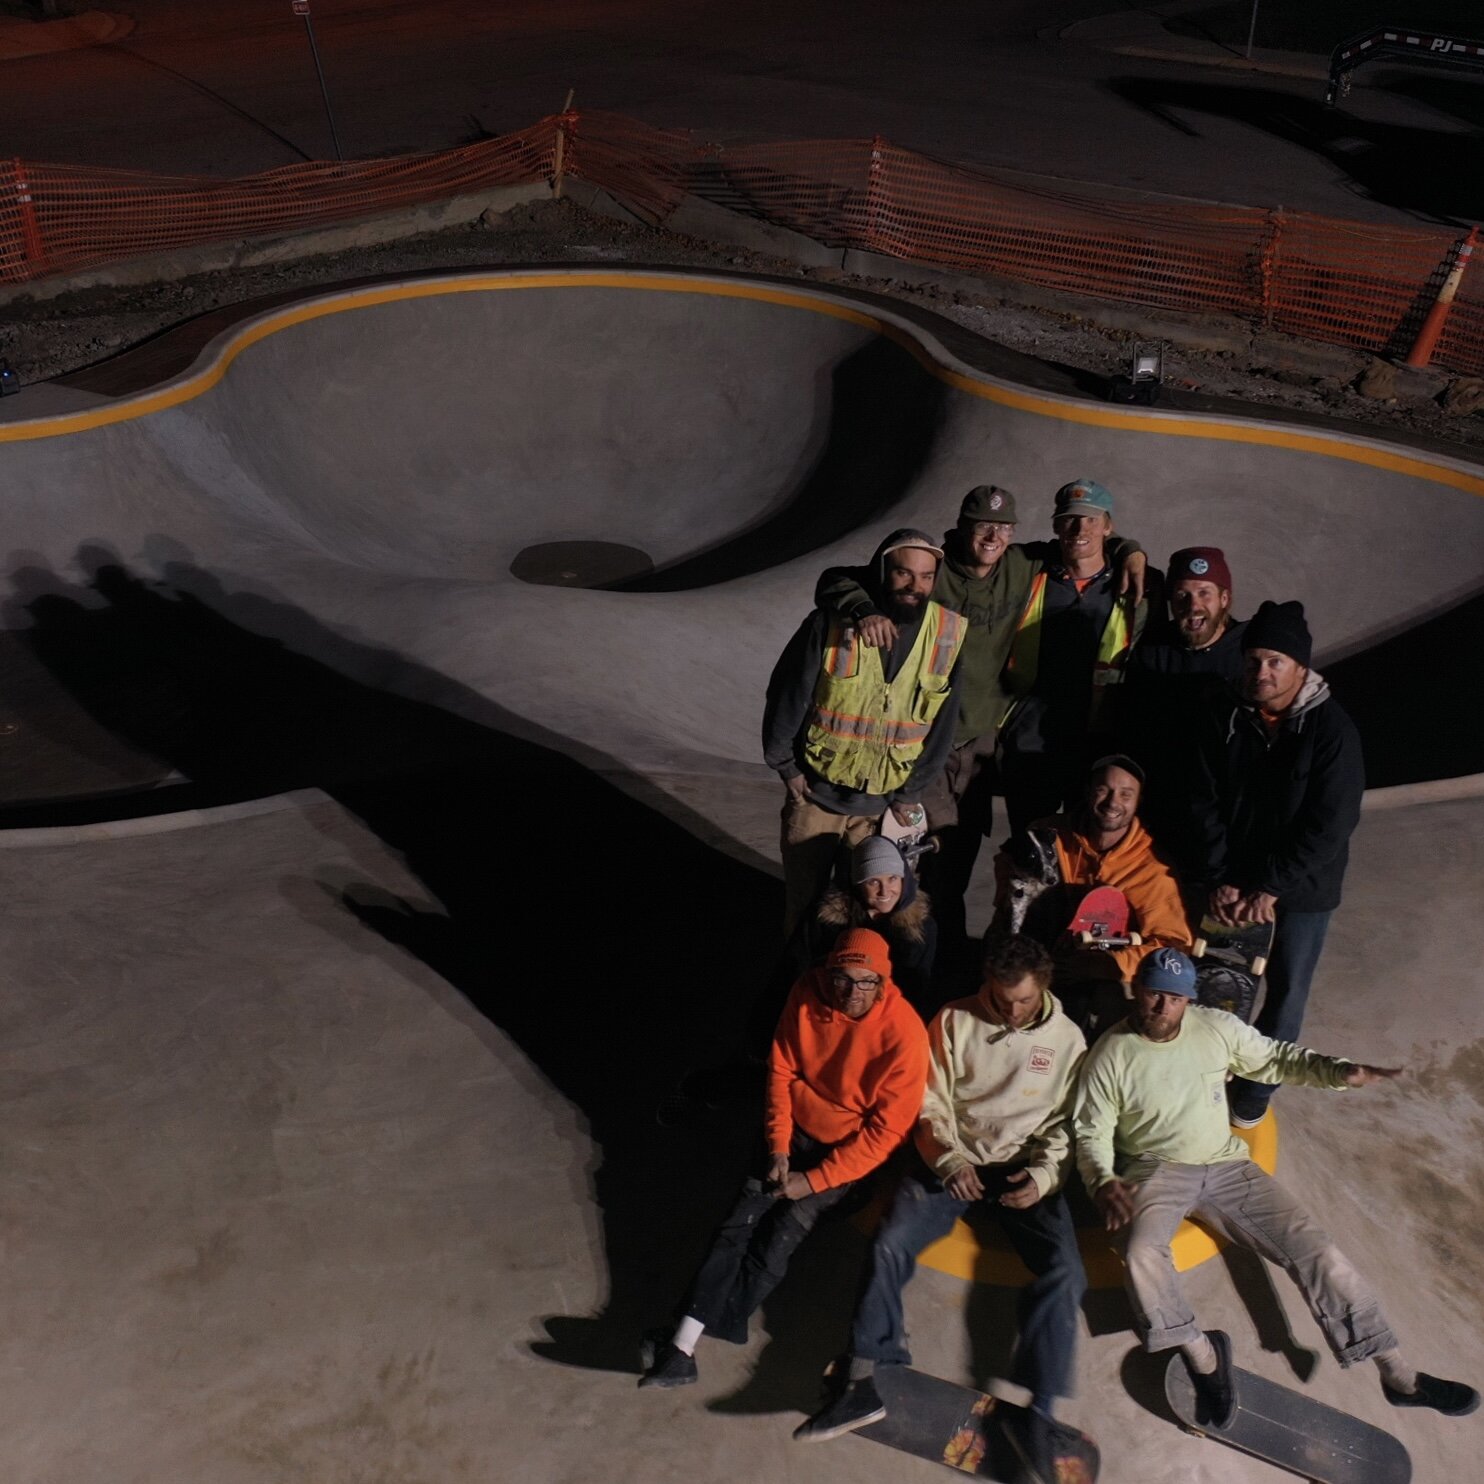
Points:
(206, 86)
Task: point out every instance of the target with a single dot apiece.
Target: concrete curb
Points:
(40, 38)
(1431, 791)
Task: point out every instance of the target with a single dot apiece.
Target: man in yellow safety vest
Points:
(853, 730)
(1068, 654)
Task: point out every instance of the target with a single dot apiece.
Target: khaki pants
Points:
(812, 838)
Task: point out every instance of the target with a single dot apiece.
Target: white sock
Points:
(687, 1334)
(1395, 1372)
(1201, 1354)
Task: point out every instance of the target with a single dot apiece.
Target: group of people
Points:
(1195, 762)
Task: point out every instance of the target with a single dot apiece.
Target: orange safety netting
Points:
(1340, 282)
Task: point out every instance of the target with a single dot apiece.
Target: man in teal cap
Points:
(1068, 652)
(1154, 1146)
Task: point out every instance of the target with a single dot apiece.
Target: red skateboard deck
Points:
(1101, 920)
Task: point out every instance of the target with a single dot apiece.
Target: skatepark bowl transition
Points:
(386, 834)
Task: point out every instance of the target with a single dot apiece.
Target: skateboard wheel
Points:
(1135, 939)
(1259, 967)
(1085, 939)
(1198, 948)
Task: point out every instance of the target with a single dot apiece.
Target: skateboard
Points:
(1101, 920)
(1229, 963)
(964, 1429)
(911, 839)
(1290, 1430)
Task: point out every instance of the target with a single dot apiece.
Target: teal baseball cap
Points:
(1084, 497)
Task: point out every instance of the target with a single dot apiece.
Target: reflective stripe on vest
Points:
(1025, 650)
(864, 734)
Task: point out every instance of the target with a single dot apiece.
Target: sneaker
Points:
(1451, 1398)
(1216, 1398)
(1245, 1120)
(1033, 1436)
(858, 1405)
(670, 1367)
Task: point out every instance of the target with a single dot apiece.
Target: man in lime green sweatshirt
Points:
(1154, 1146)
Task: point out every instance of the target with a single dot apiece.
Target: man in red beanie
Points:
(845, 1084)
(1276, 797)
(1172, 674)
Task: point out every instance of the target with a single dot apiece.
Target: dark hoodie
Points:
(1276, 809)
(791, 697)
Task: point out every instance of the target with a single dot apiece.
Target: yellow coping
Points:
(194, 383)
(985, 1257)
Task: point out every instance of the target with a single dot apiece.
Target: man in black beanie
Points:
(1276, 796)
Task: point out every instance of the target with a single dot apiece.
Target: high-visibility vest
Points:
(1025, 649)
(864, 733)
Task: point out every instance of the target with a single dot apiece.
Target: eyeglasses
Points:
(844, 981)
(993, 528)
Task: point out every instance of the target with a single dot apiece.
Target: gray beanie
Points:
(875, 856)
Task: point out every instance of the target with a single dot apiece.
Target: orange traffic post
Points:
(30, 227)
(1432, 327)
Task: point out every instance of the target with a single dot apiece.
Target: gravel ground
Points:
(46, 339)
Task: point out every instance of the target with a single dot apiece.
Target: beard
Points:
(904, 607)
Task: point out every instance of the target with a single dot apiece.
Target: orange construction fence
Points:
(1324, 279)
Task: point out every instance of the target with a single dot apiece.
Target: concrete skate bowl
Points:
(360, 476)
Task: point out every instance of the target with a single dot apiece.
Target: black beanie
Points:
(1280, 626)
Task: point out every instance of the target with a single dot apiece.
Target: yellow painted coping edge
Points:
(964, 1253)
(937, 361)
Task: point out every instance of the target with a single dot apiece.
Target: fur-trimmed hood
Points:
(839, 908)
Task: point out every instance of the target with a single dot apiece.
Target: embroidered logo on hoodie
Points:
(1041, 1059)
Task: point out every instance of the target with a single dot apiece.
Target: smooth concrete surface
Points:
(291, 1192)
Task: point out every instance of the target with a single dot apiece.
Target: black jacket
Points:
(1276, 811)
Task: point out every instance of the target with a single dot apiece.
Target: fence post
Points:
(1432, 327)
(565, 119)
(873, 190)
(1268, 263)
(31, 243)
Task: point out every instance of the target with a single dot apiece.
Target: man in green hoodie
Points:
(987, 578)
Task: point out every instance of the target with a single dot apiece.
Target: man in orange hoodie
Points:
(845, 1082)
(1102, 843)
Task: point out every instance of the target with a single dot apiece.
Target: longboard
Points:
(963, 1429)
(1229, 963)
(912, 839)
(1290, 1430)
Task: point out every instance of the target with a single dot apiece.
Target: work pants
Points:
(812, 840)
(751, 1250)
(1244, 1204)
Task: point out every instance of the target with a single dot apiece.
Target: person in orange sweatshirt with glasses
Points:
(846, 1077)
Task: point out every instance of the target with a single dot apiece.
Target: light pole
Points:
(301, 7)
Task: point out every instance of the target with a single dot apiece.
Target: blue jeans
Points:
(750, 1252)
(1298, 940)
(1042, 1236)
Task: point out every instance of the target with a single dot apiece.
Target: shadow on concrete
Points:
(609, 943)
(1409, 696)
(884, 416)
(1253, 1280)
(1430, 173)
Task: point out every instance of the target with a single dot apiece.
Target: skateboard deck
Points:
(1101, 920)
(963, 1429)
(1230, 963)
(911, 839)
(1294, 1432)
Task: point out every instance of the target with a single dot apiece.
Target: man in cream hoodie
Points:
(994, 1131)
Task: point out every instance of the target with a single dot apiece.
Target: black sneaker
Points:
(1216, 1399)
(1451, 1398)
(670, 1367)
(858, 1405)
(1033, 1436)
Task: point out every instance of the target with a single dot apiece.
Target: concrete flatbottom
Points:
(280, 1203)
